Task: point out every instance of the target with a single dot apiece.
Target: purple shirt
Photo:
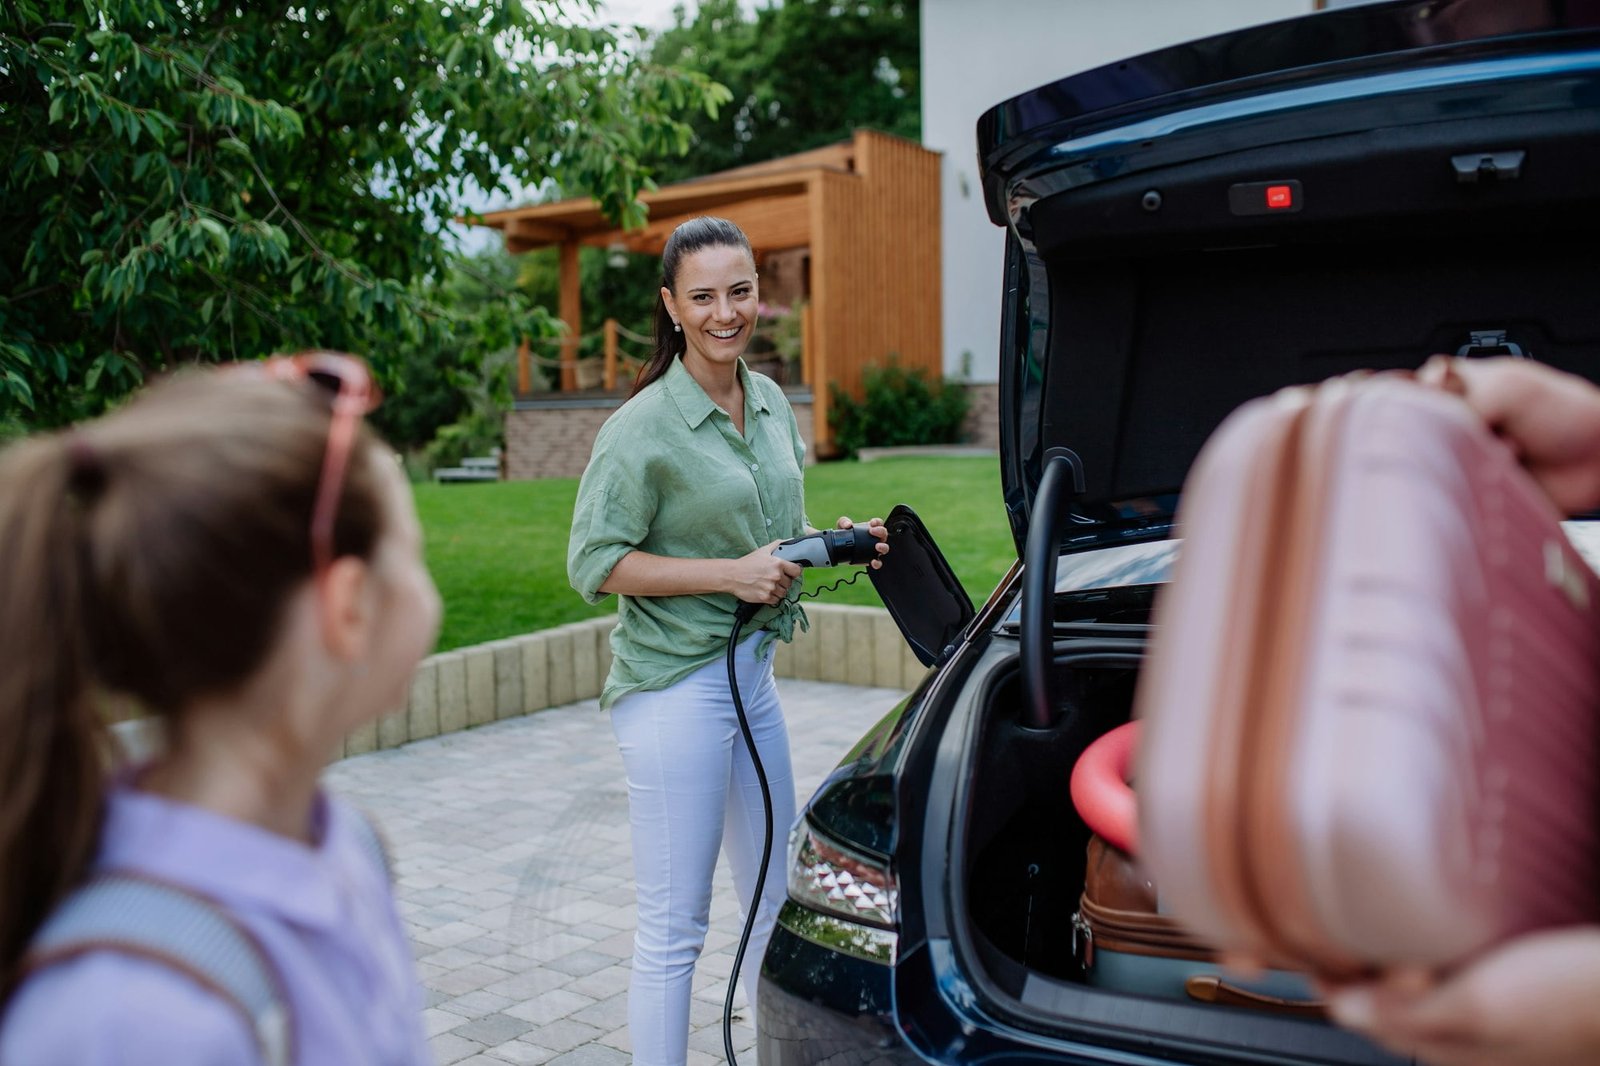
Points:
(325, 916)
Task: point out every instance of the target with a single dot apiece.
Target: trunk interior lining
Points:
(1023, 871)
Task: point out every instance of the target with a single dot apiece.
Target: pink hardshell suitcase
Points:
(1372, 702)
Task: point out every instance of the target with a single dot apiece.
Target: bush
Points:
(479, 433)
(898, 407)
(481, 426)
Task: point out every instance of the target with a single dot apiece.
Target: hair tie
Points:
(86, 472)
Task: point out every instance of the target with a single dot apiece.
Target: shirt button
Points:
(769, 521)
(755, 466)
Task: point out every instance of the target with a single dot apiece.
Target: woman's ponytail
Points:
(669, 345)
(52, 743)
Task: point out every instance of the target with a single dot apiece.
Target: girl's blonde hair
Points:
(151, 553)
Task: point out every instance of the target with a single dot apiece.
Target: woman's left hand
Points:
(876, 527)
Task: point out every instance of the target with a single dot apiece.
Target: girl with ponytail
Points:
(691, 484)
(237, 554)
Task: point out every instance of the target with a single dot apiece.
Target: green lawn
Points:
(498, 551)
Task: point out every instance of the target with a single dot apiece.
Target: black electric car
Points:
(1185, 230)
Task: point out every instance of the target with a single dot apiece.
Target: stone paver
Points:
(514, 876)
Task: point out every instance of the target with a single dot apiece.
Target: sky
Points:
(654, 14)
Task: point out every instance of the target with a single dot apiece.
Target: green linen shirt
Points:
(670, 475)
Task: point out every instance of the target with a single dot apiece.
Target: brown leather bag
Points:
(1127, 945)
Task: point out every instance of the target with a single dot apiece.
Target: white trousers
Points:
(691, 790)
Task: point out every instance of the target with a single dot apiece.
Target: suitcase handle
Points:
(1209, 988)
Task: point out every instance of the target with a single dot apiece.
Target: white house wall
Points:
(976, 53)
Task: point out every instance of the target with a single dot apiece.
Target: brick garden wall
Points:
(550, 441)
(553, 438)
(982, 428)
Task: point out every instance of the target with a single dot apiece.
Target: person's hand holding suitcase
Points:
(1532, 1000)
(1552, 418)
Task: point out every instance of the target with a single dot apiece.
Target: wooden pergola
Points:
(868, 211)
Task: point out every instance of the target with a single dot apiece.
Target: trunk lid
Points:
(1208, 223)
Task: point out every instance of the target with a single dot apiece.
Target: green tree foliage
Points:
(442, 391)
(189, 180)
(803, 73)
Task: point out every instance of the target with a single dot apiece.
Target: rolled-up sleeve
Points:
(611, 519)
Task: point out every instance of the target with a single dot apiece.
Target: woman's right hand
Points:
(1550, 417)
(761, 577)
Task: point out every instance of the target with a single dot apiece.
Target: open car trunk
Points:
(1021, 867)
(1158, 276)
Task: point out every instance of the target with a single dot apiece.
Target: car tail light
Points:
(828, 877)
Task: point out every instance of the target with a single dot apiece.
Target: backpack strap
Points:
(178, 928)
(371, 840)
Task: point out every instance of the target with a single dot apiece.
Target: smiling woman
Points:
(691, 484)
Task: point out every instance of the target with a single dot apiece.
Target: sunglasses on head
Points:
(348, 381)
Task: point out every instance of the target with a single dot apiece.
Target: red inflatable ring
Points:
(1101, 792)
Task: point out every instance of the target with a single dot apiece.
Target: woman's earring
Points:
(677, 328)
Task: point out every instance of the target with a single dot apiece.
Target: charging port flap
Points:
(919, 588)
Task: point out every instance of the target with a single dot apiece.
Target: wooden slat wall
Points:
(772, 223)
(874, 268)
(873, 230)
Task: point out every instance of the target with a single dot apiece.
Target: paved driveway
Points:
(515, 877)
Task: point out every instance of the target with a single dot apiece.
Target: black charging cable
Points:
(746, 612)
(827, 548)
